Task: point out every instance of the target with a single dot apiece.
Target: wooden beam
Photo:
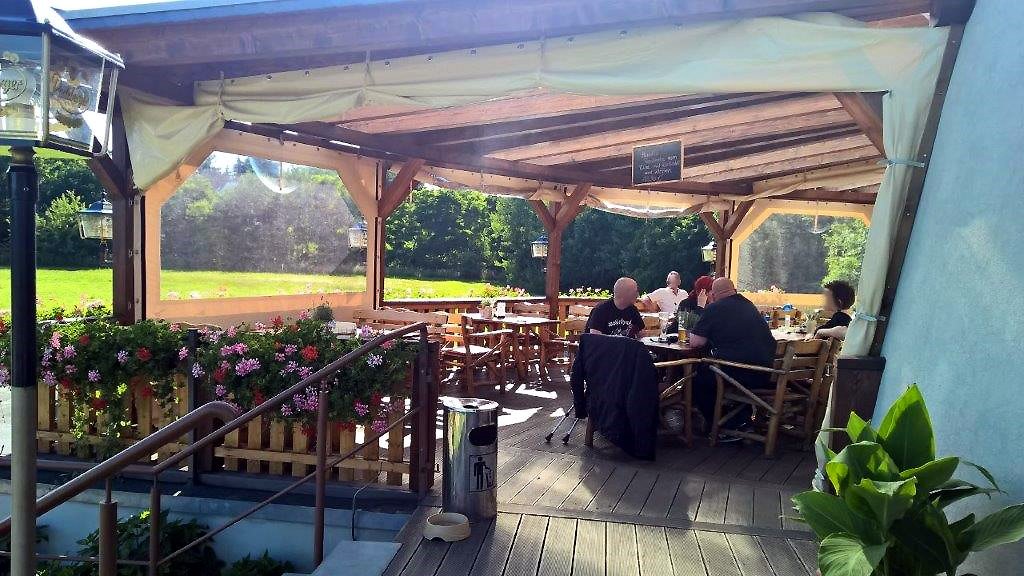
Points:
(553, 272)
(542, 211)
(799, 164)
(773, 156)
(472, 163)
(399, 189)
(736, 218)
(572, 206)
(905, 226)
(866, 111)
(713, 226)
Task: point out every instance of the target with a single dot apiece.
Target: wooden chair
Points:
(563, 348)
(797, 375)
(580, 311)
(470, 349)
(530, 309)
(678, 395)
(541, 348)
(392, 319)
(652, 326)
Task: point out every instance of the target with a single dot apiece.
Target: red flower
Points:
(220, 374)
(147, 391)
(99, 403)
(257, 397)
(66, 384)
(144, 354)
(308, 430)
(83, 340)
(277, 322)
(310, 353)
(375, 399)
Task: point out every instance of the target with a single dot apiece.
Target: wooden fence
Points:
(264, 446)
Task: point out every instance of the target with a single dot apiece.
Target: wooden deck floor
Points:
(572, 510)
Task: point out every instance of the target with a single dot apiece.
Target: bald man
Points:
(618, 316)
(731, 328)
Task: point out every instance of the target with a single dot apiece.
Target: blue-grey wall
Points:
(957, 328)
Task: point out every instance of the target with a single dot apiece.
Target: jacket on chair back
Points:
(614, 383)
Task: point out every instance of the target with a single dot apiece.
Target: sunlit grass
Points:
(69, 288)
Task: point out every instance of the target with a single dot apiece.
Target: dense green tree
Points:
(844, 245)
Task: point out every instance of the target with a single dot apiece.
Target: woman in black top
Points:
(839, 297)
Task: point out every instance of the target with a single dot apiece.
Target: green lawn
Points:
(68, 288)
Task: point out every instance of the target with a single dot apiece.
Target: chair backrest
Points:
(530, 309)
(389, 319)
(802, 359)
(573, 327)
(652, 326)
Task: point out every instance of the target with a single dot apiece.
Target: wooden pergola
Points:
(558, 151)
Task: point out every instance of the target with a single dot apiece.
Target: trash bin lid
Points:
(468, 404)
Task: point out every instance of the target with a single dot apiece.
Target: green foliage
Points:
(888, 516)
(261, 566)
(133, 544)
(844, 250)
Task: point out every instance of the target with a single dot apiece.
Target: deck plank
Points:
(526, 549)
(749, 556)
(713, 502)
(756, 468)
(462, 554)
(427, 558)
(559, 543)
(565, 484)
(524, 476)
(684, 553)
(662, 494)
(585, 491)
(767, 508)
(611, 492)
(411, 535)
(740, 508)
(635, 496)
(717, 554)
(588, 555)
(496, 545)
(782, 557)
(687, 499)
(789, 514)
(807, 551)
(652, 550)
(621, 554)
(783, 468)
(537, 486)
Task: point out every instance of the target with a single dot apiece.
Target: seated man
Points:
(617, 316)
(839, 297)
(732, 329)
(666, 299)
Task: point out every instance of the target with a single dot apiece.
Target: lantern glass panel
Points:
(539, 248)
(75, 83)
(358, 236)
(21, 88)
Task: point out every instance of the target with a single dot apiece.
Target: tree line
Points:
(224, 218)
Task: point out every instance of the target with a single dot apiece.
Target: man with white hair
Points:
(618, 316)
(667, 298)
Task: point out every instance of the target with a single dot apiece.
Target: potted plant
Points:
(887, 516)
(487, 307)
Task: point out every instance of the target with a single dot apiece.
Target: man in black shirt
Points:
(618, 316)
(732, 329)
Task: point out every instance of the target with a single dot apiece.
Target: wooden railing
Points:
(460, 305)
(421, 415)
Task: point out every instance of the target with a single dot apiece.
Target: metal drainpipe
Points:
(23, 182)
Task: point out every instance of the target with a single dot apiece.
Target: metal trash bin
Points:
(470, 457)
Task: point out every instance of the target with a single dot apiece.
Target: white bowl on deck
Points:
(447, 526)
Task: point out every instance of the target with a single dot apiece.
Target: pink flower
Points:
(305, 315)
(55, 340)
(94, 375)
(304, 372)
(247, 366)
(365, 333)
(388, 345)
(220, 390)
(183, 353)
(360, 408)
(197, 371)
(122, 357)
(69, 351)
(260, 326)
(49, 379)
(286, 410)
(290, 349)
(5, 375)
(279, 357)
(379, 426)
(70, 369)
(374, 360)
(232, 330)
(175, 327)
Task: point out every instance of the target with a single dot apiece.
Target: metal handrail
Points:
(219, 410)
(129, 456)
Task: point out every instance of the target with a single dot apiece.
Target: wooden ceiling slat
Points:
(791, 166)
(525, 107)
(482, 139)
(782, 155)
(728, 124)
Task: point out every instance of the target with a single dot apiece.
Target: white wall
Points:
(957, 328)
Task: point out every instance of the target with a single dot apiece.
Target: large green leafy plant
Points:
(888, 514)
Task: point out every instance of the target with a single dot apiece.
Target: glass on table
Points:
(665, 317)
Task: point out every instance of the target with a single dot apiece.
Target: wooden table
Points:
(783, 334)
(521, 327)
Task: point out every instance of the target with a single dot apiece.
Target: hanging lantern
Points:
(539, 247)
(708, 252)
(359, 235)
(97, 221)
(818, 227)
(56, 87)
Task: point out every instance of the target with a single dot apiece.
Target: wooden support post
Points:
(114, 173)
(855, 390)
(553, 274)
(556, 217)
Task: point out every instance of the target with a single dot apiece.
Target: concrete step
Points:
(360, 558)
